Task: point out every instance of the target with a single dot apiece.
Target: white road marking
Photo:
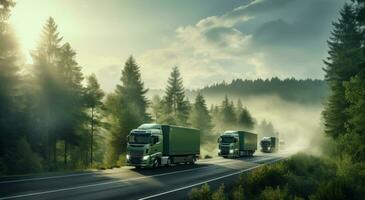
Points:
(106, 183)
(210, 180)
(88, 173)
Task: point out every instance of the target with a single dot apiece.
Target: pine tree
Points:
(48, 90)
(94, 96)
(245, 120)
(239, 107)
(71, 102)
(341, 65)
(156, 106)
(127, 106)
(199, 116)
(10, 129)
(227, 113)
(176, 107)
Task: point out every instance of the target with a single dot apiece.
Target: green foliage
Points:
(245, 119)
(273, 194)
(238, 193)
(306, 91)
(199, 116)
(266, 176)
(176, 107)
(342, 63)
(202, 193)
(337, 189)
(21, 158)
(126, 109)
(93, 97)
(157, 108)
(219, 194)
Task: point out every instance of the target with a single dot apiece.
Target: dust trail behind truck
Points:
(153, 145)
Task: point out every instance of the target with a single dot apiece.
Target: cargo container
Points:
(237, 144)
(153, 145)
(269, 144)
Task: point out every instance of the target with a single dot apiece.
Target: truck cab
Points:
(228, 145)
(269, 144)
(145, 145)
(153, 145)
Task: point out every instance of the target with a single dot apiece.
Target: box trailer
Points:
(152, 145)
(237, 144)
(269, 144)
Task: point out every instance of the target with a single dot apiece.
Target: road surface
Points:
(129, 183)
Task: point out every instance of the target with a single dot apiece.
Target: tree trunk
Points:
(65, 154)
(92, 136)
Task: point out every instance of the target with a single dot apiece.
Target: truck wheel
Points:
(156, 163)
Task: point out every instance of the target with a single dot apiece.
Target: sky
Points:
(209, 40)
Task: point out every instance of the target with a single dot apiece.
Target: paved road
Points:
(128, 183)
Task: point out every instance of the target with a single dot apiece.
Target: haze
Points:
(210, 40)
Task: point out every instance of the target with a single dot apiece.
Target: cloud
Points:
(284, 38)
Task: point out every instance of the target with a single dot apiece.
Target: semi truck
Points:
(237, 144)
(154, 145)
(269, 144)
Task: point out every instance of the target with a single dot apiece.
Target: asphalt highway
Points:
(128, 183)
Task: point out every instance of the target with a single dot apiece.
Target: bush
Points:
(266, 176)
(273, 194)
(219, 194)
(238, 193)
(338, 188)
(121, 160)
(21, 159)
(200, 194)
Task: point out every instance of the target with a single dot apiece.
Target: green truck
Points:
(269, 144)
(154, 145)
(237, 143)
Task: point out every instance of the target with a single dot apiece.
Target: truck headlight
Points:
(146, 157)
(231, 151)
(127, 156)
(219, 150)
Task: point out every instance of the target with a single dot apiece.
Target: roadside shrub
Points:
(238, 193)
(121, 160)
(219, 194)
(337, 189)
(21, 159)
(306, 172)
(202, 193)
(266, 176)
(273, 194)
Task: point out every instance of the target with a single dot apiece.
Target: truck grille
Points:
(224, 150)
(135, 160)
(136, 153)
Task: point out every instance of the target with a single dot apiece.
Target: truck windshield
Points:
(139, 138)
(227, 139)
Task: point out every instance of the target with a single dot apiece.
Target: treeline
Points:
(301, 91)
(338, 174)
(52, 117)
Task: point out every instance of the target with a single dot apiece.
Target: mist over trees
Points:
(306, 91)
(54, 118)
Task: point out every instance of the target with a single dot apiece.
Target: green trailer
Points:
(153, 145)
(237, 144)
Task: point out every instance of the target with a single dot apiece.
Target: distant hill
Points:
(293, 90)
